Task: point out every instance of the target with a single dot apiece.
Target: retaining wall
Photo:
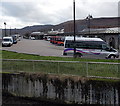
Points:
(65, 89)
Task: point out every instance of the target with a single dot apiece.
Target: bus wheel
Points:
(112, 57)
(77, 55)
(65, 54)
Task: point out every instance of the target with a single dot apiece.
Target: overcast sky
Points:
(21, 13)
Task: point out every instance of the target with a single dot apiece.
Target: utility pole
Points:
(74, 28)
(10, 31)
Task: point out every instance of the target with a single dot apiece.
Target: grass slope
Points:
(14, 55)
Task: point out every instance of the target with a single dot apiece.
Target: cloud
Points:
(31, 12)
(97, 9)
(20, 13)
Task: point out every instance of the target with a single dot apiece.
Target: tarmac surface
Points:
(38, 47)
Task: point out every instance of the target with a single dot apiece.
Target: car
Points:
(7, 41)
(32, 38)
(15, 37)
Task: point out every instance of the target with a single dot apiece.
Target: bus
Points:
(58, 40)
(88, 47)
(52, 39)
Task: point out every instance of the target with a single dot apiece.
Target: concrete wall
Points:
(62, 88)
(115, 40)
(114, 37)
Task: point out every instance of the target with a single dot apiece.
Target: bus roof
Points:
(83, 39)
(7, 37)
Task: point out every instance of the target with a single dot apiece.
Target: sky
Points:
(22, 13)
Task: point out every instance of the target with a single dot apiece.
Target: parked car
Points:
(7, 41)
(14, 39)
(32, 38)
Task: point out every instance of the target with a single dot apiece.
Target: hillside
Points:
(107, 22)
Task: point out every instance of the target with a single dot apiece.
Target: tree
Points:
(27, 35)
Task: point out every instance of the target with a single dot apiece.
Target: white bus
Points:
(89, 47)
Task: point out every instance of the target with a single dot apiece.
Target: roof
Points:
(7, 37)
(83, 39)
(101, 30)
(36, 33)
(113, 30)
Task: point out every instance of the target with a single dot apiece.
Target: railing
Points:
(87, 69)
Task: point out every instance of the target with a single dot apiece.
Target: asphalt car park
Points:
(38, 47)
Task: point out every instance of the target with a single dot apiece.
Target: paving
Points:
(38, 47)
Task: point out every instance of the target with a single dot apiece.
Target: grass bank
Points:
(56, 67)
(14, 55)
(81, 68)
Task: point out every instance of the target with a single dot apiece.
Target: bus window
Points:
(85, 44)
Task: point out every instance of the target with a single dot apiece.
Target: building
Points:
(37, 35)
(106, 28)
(110, 35)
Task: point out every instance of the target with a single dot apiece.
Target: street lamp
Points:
(5, 28)
(89, 17)
(74, 27)
(15, 30)
(10, 31)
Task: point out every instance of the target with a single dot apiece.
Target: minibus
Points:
(88, 47)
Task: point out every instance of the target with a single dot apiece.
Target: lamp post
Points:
(10, 31)
(119, 42)
(5, 28)
(15, 30)
(74, 27)
(89, 17)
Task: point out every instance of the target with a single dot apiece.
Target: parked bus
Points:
(52, 39)
(89, 47)
(59, 40)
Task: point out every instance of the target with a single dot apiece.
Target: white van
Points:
(32, 37)
(7, 41)
(89, 47)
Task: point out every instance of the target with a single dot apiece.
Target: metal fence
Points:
(87, 69)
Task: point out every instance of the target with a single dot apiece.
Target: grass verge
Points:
(14, 55)
(80, 69)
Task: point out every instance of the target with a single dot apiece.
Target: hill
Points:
(105, 22)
